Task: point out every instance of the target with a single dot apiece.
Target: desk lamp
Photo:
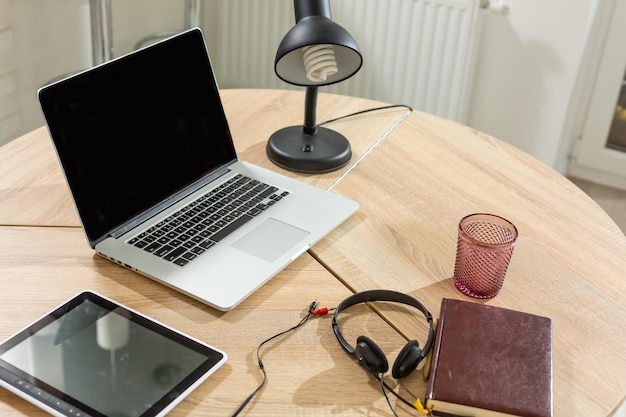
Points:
(314, 53)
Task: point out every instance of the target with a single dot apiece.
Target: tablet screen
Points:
(92, 356)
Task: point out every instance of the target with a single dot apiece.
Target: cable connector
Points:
(422, 409)
(323, 311)
(313, 305)
(320, 311)
(314, 311)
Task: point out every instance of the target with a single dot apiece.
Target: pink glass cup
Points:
(484, 248)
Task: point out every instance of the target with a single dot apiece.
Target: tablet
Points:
(94, 357)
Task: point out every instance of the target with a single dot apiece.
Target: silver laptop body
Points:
(146, 150)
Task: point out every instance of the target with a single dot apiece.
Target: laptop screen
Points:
(136, 130)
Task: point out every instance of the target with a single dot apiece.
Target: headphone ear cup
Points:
(370, 356)
(407, 360)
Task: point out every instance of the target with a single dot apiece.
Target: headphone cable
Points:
(260, 362)
(382, 388)
(384, 384)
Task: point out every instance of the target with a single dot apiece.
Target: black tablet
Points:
(94, 357)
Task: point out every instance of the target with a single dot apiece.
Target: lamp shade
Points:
(289, 64)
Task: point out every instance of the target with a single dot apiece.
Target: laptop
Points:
(148, 155)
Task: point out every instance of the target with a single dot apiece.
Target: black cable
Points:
(382, 388)
(384, 385)
(392, 106)
(405, 401)
(403, 385)
(260, 362)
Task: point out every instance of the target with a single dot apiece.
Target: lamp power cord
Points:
(375, 144)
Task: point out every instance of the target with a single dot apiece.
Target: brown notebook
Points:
(490, 362)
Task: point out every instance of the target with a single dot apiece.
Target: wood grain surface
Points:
(308, 372)
(413, 188)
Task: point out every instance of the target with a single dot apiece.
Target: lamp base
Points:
(293, 149)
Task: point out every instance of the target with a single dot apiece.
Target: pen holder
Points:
(484, 249)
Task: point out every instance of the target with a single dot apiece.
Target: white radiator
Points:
(416, 52)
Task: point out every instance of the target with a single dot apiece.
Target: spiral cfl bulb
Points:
(319, 62)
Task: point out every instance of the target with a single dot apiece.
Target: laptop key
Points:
(190, 256)
(152, 247)
(197, 250)
(175, 254)
(268, 192)
(181, 261)
(240, 221)
(207, 244)
(160, 252)
(141, 244)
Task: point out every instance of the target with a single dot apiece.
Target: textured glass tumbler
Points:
(484, 248)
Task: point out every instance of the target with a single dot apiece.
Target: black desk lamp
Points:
(315, 52)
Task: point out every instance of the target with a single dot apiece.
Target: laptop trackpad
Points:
(270, 239)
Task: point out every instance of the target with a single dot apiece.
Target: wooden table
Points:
(413, 188)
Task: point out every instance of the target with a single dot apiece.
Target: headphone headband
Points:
(381, 295)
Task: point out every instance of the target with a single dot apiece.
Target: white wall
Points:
(526, 72)
(38, 40)
(43, 39)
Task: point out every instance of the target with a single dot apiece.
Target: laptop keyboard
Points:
(195, 228)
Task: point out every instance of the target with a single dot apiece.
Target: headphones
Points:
(368, 354)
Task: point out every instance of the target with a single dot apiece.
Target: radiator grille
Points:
(416, 52)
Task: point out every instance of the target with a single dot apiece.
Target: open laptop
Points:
(148, 156)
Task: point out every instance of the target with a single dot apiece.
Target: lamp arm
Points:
(305, 8)
(310, 106)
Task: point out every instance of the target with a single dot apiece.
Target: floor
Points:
(612, 200)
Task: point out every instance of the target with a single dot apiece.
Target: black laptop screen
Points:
(136, 130)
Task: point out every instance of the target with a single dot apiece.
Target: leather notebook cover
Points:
(491, 361)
